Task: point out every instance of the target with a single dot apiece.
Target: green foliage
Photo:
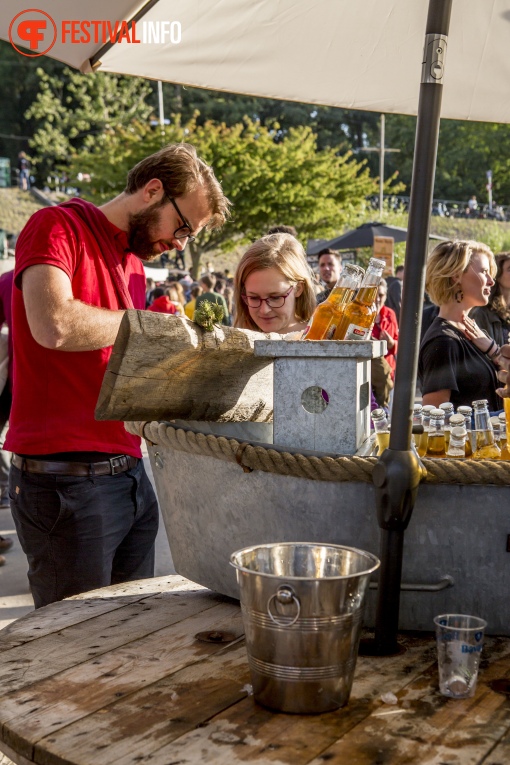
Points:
(208, 314)
(72, 111)
(269, 181)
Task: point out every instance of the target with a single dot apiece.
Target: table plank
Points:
(55, 652)
(57, 616)
(154, 716)
(57, 701)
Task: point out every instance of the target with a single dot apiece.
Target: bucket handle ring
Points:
(284, 595)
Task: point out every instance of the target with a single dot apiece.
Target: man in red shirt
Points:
(84, 509)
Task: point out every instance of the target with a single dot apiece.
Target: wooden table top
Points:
(117, 676)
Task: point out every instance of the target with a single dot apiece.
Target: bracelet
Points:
(490, 348)
(495, 353)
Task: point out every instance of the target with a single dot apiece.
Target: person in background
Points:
(330, 265)
(164, 303)
(385, 328)
(6, 281)
(176, 293)
(207, 282)
(273, 286)
(228, 294)
(189, 308)
(150, 286)
(456, 361)
(283, 230)
(494, 318)
(394, 295)
(24, 171)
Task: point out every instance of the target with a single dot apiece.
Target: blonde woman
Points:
(273, 286)
(457, 360)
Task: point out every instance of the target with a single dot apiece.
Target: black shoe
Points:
(5, 544)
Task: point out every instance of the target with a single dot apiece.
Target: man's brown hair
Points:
(181, 171)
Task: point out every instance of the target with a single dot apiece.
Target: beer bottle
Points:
(327, 315)
(459, 421)
(486, 446)
(448, 410)
(382, 430)
(503, 438)
(467, 412)
(419, 440)
(436, 441)
(359, 316)
(457, 445)
(426, 426)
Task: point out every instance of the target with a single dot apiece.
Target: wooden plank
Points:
(70, 695)
(41, 658)
(500, 755)
(246, 732)
(167, 367)
(56, 616)
(155, 715)
(428, 728)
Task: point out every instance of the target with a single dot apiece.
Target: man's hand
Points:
(383, 335)
(60, 322)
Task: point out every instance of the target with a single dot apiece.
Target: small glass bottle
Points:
(459, 421)
(503, 439)
(436, 446)
(448, 410)
(328, 314)
(382, 430)
(486, 446)
(457, 446)
(359, 316)
(419, 442)
(467, 411)
(426, 410)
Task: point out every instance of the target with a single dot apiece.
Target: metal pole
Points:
(398, 472)
(381, 168)
(161, 106)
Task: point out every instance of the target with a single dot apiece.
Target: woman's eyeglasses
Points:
(272, 302)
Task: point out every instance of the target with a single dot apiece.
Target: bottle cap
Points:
(481, 402)
(459, 432)
(457, 420)
(378, 414)
(428, 408)
(447, 406)
(465, 409)
(437, 413)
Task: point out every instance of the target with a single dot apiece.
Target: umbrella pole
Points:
(398, 472)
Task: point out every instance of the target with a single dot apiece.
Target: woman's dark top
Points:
(448, 360)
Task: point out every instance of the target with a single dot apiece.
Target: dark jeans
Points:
(83, 533)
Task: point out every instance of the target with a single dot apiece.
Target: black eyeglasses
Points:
(272, 302)
(183, 232)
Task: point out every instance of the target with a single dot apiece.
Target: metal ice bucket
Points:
(302, 608)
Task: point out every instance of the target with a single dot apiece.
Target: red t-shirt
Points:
(55, 392)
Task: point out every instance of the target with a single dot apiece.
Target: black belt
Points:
(107, 467)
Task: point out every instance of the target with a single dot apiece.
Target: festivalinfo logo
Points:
(36, 30)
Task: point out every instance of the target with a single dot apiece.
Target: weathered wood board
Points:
(167, 367)
(134, 684)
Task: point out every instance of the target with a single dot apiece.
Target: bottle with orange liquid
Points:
(503, 440)
(461, 421)
(436, 446)
(486, 446)
(328, 314)
(359, 316)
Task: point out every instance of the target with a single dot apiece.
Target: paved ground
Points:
(15, 598)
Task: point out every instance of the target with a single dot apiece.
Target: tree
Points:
(71, 110)
(269, 182)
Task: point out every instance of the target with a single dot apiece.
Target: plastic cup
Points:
(459, 647)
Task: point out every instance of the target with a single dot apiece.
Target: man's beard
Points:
(141, 227)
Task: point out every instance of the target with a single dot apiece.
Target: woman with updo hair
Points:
(273, 286)
(457, 360)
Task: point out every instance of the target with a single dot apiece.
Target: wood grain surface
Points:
(118, 676)
(167, 367)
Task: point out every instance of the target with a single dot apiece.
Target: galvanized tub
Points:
(302, 607)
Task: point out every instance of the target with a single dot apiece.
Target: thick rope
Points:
(337, 469)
